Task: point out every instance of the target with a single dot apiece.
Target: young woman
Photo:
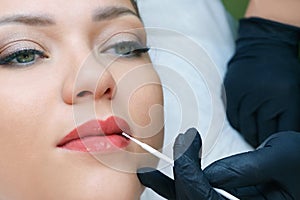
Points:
(65, 70)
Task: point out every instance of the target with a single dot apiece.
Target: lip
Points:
(97, 136)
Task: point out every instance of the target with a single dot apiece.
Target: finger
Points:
(248, 126)
(257, 192)
(188, 144)
(250, 180)
(249, 107)
(240, 170)
(190, 182)
(267, 122)
(277, 115)
(261, 192)
(157, 181)
(289, 119)
(266, 128)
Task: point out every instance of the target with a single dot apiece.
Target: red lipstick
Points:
(97, 136)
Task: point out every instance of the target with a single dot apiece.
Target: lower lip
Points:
(97, 144)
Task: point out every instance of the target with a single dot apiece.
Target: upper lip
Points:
(110, 126)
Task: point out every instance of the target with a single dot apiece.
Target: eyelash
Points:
(14, 59)
(135, 49)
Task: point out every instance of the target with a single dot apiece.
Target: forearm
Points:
(284, 11)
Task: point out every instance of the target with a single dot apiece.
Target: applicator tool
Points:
(170, 161)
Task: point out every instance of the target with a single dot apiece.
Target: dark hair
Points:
(133, 2)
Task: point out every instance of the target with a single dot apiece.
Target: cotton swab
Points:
(170, 161)
(150, 149)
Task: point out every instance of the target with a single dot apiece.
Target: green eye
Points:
(124, 48)
(22, 57)
(127, 49)
(25, 57)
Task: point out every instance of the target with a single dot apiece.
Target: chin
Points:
(76, 181)
(100, 183)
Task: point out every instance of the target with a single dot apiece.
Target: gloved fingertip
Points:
(193, 135)
(189, 137)
(179, 139)
(189, 144)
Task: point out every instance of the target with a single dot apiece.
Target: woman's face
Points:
(73, 76)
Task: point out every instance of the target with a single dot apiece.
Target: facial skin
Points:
(73, 68)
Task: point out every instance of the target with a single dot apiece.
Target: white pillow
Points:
(191, 44)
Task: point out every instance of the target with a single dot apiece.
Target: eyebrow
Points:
(31, 20)
(108, 13)
(100, 14)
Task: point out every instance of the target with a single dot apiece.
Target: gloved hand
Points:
(189, 182)
(262, 83)
(271, 172)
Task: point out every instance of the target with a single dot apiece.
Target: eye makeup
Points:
(21, 53)
(123, 44)
(127, 49)
(22, 57)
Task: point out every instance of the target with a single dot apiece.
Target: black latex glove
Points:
(271, 172)
(262, 83)
(189, 183)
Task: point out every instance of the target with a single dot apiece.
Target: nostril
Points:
(87, 93)
(84, 93)
(107, 91)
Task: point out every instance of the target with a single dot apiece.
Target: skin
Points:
(43, 101)
(282, 11)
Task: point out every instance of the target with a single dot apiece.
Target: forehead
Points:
(59, 8)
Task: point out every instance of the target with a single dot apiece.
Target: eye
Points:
(23, 57)
(129, 49)
(126, 49)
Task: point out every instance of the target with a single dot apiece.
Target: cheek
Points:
(19, 108)
(146, 112)
(22, 108)
(27, 98)
(139, 99)
(145, 105)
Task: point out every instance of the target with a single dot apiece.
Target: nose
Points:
(91, 81)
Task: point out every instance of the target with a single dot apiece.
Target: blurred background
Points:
(236, 7)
